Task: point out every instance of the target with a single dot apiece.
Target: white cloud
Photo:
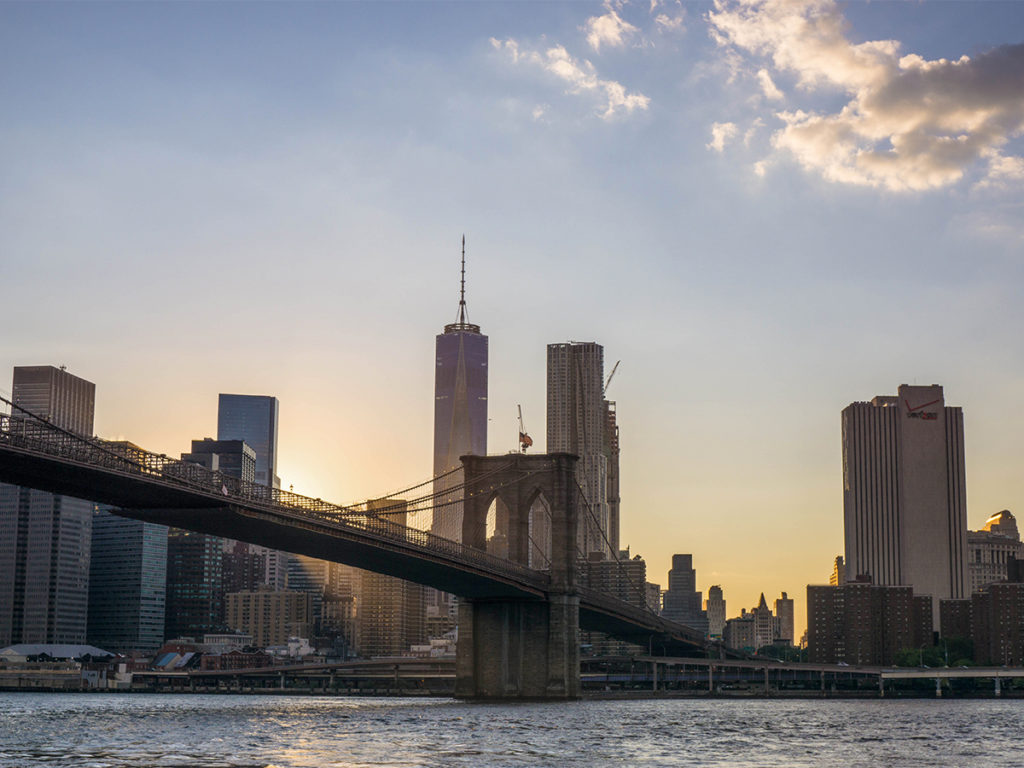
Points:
(580, 76)
(721, 133)
(1003, 172)
(908, 123)
(755, 126)
(609, 29)
(768, 86)
(669, 24)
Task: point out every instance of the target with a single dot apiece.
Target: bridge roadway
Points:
(157, 489)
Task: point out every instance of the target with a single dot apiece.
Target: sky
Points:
(766, 210)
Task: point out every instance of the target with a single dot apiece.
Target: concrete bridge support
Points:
(521, 648)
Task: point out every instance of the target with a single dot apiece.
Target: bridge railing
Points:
(126, 458)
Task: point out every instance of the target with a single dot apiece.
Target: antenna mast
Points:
(462, 286)
(462, 324)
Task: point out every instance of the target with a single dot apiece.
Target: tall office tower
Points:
(682, 601)
(127, 583)
(714, 606)
(253, 418)
(195, 584)
(904, 496)
(460, 410)
(784, 619)
(578, 421)
(391, 613)
(46, 539)
(56, 395)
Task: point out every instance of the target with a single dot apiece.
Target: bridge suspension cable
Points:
(638, 588)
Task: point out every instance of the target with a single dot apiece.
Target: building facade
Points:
(990, 550)
(838, 572)
(578, 421)
(740, 633)
(46, 539)
(460, 411)
(997, 624)
(714, 606)
(195, 584)
(622, 577)
(764, 624)
(861, 623)
(682, 601)
(270, 616)
(784, 631)
(904, 493)
(127, 583)
(233, 458)
(254, 420)
(391, 612)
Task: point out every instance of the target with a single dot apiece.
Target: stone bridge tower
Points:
(521, 648)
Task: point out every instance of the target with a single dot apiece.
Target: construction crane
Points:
(525, 441)
(610, 376)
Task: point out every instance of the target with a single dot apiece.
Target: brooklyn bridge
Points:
(520, 611)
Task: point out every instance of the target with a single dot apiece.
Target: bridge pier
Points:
(518, 649)
(521, 648)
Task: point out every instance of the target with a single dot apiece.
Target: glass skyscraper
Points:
(252, 418)
(45, 538)
(460, 410)
(127, 582)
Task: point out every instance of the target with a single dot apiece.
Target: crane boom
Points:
(611, 376)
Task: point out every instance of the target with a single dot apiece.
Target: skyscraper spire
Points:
(462, 324)
(462, 286)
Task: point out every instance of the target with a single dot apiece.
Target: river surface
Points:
(193, 731)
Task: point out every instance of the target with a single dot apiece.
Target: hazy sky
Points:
(766, 210)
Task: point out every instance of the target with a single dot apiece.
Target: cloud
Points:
(768, 85)
(752, 130)
(908, 123)
(720, 134)
(1003, 173)
(580, 76)
(609, 29)
(668, 24)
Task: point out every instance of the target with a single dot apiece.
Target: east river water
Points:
(193, 731)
